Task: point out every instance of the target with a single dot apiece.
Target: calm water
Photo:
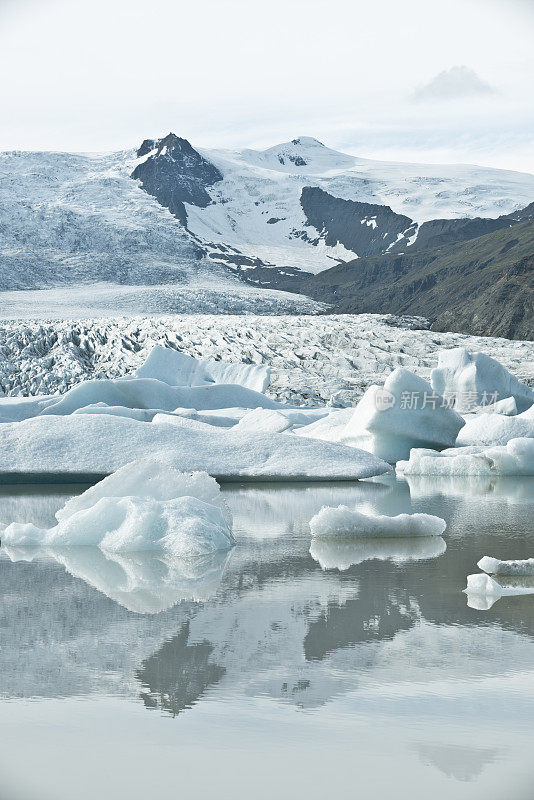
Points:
(354, 671)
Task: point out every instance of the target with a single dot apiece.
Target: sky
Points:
(417, 80)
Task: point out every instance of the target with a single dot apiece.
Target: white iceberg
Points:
(184, 527)
(514, 458)
(476, 379)
(343, 522)
(341, 555)
(149, 393)
(179, 369)
(94, 445)
(495, 566)
(405, 413)
(496, 429)
(150, 478)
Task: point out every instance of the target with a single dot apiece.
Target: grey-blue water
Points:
(353, 671)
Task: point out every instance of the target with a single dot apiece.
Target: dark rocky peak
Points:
(365, 228)
(175, 173)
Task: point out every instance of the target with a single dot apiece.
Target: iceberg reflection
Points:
(144, 582)
(344, 554)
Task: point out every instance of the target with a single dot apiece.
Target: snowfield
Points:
(261, 186)
(313, 359)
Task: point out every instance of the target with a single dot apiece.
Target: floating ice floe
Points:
(476, 378)
(345, 523)
(179, 369)
(389, 421)
(514, 458)
(483, 591)
(495, 566)
(147, 505)
(97, 445)
(341, 554)
(496, 429)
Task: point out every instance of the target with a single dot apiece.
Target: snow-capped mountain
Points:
(303, 205)
(169, 227)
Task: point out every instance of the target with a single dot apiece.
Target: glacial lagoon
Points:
(356, 669)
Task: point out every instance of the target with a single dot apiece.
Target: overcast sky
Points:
(412, 80)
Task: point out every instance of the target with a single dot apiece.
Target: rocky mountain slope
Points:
(484, 286)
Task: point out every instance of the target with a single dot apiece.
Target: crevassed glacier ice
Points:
(389, 421)
(494, 566)
(184, 527)
(341, 555)
(97, 444)
(514, 458)
(343, 522)
(179, 369)
(475, 378)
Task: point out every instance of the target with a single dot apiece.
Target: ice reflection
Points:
(143, 582)
(274, 510)
(344, 554)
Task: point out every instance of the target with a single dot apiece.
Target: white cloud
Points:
(453, 84)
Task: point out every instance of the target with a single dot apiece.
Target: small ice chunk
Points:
(482, 584)
(343, 522)
(495, 566)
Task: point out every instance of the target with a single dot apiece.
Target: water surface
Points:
(357, 670)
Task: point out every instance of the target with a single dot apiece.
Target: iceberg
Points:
(514, 458)
(495, 566)
(343, 522)
(405, 413)
(179, 369)
(184, 527)
(475, 379)
(149, 393)
(150, 478)
(94, 445)
(341, 554)
(496, 429)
